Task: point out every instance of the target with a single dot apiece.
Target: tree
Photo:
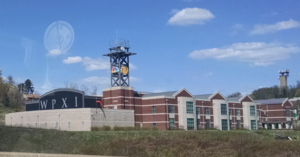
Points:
(94, 92)
(21, 88)
(85, 89)
(10, 80)
(237, 94)
(29, 89)
(15, 98)
(70, 85)
(297, 93)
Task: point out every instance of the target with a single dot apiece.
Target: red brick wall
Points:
(218, 96)
(247, 99)
(183, 94)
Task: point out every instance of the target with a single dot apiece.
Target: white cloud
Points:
(71, 60)
(134, 79)
(174, 11)
(97, 80)
(255, 53)
(131, 66)
(55, 52)
(236, 28)
(263, 29)
(207, 74)
(158, 91)
(190, 16)
(95, 64)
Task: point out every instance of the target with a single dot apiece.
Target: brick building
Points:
(275, 113)
(184, 110)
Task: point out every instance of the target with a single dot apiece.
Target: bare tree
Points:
(15, 98)
(85, 89)
(70, 85)
(94, 92)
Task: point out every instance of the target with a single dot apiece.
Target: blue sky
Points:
(201, 45)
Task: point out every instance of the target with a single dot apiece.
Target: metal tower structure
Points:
(119, 62)
(283, 78)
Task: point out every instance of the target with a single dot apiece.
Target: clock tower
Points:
(119, 63)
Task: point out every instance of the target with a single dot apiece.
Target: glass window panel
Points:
(171, 109)
(190, 123)
(207, 123)
(172, 122)
(238, 112)
(223, 109)
(253, 124)
(153, 109)
(224, 124)
(238, 125)
(189, 107)
(154, 124)
(207, 110)
(252, 110)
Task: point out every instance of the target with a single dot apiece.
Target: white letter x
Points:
(64, 100)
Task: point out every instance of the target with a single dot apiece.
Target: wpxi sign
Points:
(61, 100)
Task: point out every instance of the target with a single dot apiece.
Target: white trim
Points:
(202, 99)
(183, 89)
(157, 122)
(245, 97)
(217, 92)
(119, 97)
(288, 101)
(118, 88)
(153, 114)
(157, 97)
(277, 117)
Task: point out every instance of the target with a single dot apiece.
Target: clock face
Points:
(124, 70)
(59, 37)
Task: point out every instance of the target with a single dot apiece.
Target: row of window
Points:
(190, 110)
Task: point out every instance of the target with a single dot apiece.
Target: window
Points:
(238, 112)
(172, 122)
(56, 127)
(253, 124)
(288, 112)
(69, 125)
(189, 107)
(257, 112)
(224, 124)
(238, 125)
(223, 109)
(230, 123)
(207, 110)
(207, 123)
(171, 109)
(153, 109)
(190, 123)
(198, 123)
(154, 124)
(197, 110)
(252, 110)
(230, 112)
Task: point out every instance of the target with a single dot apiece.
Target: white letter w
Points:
(44, 104)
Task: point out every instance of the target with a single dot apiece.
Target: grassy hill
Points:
(148, 143)
(4, 110)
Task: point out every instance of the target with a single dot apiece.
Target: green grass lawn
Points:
(149, 143)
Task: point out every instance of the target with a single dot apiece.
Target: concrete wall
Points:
(81, 119)
(247, 116)
(182, 115)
